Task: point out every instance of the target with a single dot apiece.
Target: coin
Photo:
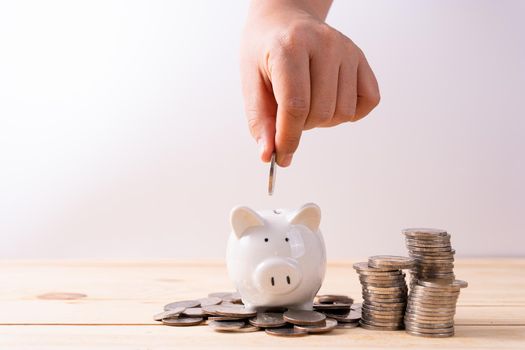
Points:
(247, 328)
(363, 266)
(352, 316)
(182, 321)
(209, 301)
(194, 312)
(230, 310)
(175, 312)
(442, 283)
(431, 335)
(424, 232)
(268, 320)
(347, 325)
(390, 261)
(286, 332)
(329, 325)
(334, 298)
(304, 317)
(380, 328)
(334, 306)
(226, 318)
(182, 303)
(272, 175)
(226, 325)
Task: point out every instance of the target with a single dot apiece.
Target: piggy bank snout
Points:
(277, 276)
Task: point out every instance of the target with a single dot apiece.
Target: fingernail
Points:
(286, 159)
(262, 147)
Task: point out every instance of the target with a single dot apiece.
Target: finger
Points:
(291, 87)
(260, 108)
(345, 109)
(324, 71)
(367, 89)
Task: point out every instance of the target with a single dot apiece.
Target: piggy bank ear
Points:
(308, 215)
(242, 218)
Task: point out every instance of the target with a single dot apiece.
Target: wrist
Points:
(315, 8)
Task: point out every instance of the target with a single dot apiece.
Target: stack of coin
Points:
(432, 252)
(434, 289)
(431, 307)
(224, 312)
(384, 291)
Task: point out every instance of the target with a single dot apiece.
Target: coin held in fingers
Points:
(271, 176)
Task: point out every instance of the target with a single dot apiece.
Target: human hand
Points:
(299, 73)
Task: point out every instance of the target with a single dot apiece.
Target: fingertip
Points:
(265, 150)
(284, 160)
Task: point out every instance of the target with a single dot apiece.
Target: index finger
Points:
(291, 86)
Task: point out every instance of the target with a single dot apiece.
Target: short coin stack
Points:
(224, 312)
(434, 290)
(384, 291)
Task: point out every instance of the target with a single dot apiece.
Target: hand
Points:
(299, 73)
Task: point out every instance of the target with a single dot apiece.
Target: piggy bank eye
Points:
(286, 239)
(266, 239)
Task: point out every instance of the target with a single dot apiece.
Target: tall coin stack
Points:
(434, 290)
(384, 291)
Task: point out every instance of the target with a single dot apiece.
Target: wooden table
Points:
(42, 307)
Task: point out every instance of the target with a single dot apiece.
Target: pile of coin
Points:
(384, 291)
(434, 289)
(432, 252)
(224, 312)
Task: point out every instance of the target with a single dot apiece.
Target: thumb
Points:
(261, 108)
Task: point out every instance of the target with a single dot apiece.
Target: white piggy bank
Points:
(277, 258)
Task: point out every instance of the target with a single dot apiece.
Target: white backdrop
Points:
(122, 133)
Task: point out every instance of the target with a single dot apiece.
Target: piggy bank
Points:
(276, 258)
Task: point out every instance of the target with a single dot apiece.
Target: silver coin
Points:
(226, 318)
(352, 316)
(194, 312)
(209, 301)
(230, 310)
(424, 232)
(286, 332)
(304, 317)
(364, 267)
(182, 303)
(409, 324)
(272, 175)
(430, 335)
(175, 312)
(183, 321)
(389, 278)
(390, 261)
(347, 325)
(380, 328)
(333, 298)
(390, 307)
(334, 306)
(268, 320)
(439, 283)
(329, 325)
(226, 325)
(234, 298)
(246, 329)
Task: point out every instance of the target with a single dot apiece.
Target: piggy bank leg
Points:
(309, 305)
(250, 307)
